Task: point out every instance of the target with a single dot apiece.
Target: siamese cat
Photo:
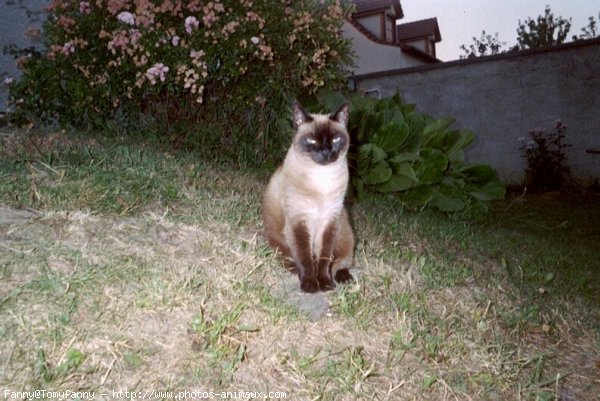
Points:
(303, 206)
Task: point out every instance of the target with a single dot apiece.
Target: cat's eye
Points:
(311, 141)
(337, 139)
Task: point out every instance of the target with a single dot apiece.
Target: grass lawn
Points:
(127, 268)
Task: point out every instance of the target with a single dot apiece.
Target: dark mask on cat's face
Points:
(323, 137)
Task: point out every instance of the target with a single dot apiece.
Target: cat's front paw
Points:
(343, 276)
(326, 283)
(309, 284)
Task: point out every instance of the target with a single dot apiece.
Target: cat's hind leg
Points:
(343, 254)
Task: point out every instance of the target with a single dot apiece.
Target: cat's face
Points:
(324, 138)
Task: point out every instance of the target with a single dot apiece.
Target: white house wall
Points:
(371, 56)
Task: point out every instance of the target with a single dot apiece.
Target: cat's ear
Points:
(300, 115)
(341, 115)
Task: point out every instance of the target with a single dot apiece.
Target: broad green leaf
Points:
(358, 184)
(404, 177)
(467, 138)
(391, 116)
(391, 136)
(456, 157)
(397, 99)
(417, 196)
(401, 158)
(478, 208)
(412, 143)
(453, 182)
(369, 155)
(435, 126)
(489, 191)
(435, 133)
(405, 169)
(432, 166)
(454, 144)
(361, 103)
(396, 183)
(408, 108)
(330, 100)
(478, 173)
(416, 123)
(447, 203)
(388, 103)
(451, 139)
(377, 174)
(372, 122)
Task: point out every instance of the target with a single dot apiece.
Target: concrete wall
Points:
(16, 16)
(372, 56)
(501, 98)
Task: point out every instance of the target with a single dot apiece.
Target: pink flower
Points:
(113, 5)
(209, 18)
(8, 80)
(84, 7)
(68, 48)
(197, 54)
(191, 23)
(126, 17)
(175, 40)
(158, 70)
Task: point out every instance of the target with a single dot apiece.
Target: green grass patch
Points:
(546, 245)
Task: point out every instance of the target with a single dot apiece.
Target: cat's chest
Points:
(318, 194)
(326, 183)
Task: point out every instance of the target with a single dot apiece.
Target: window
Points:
(389, 29)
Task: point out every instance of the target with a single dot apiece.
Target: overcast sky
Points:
(460, 20)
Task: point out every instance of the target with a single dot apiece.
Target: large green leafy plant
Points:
(418, 158)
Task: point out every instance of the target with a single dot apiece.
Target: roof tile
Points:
(418, 29)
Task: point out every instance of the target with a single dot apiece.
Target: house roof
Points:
(372, 6)
(418, 29)
(405, 48)
(420, 54)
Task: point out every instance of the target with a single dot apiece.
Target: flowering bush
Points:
(229, 64)
(546, 160)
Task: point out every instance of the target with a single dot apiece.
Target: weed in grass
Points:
(402, 301)
(73, 358)
(334, 374)
(214, 337)
(439, 273)
(133, 360)
(400, 342)
(520, 319)
(276, 307)
(355, 302)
